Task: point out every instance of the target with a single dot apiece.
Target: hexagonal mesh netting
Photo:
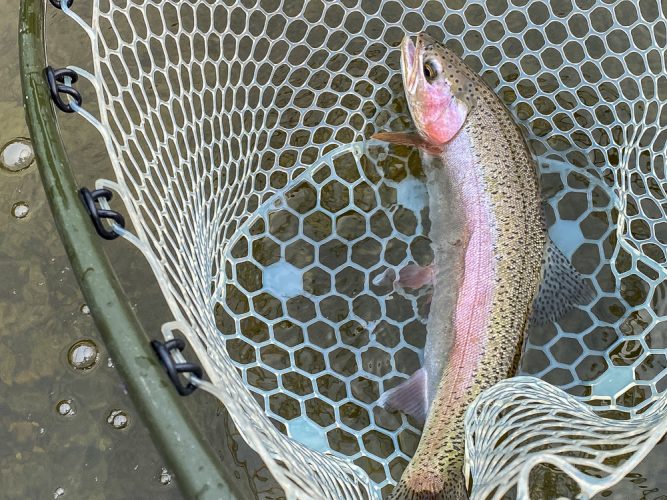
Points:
(313, 323)
(236, 131)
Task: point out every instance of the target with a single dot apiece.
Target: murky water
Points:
(67, 427)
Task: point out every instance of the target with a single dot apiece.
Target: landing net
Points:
(236, 132)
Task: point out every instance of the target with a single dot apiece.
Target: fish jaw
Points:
(409, 64)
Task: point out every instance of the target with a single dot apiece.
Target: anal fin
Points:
(561, 289)
(408, 397)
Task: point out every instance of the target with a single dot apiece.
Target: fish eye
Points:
(429, 71)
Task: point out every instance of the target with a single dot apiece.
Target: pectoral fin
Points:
(407, 139)
(409, 397)
(561, 289)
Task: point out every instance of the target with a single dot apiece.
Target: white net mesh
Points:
(236, 133)
(537, 424)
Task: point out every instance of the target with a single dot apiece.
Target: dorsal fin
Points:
(561, 289)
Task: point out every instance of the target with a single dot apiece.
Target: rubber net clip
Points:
(163, 351)
(89, 199)
(58, 3)
(56, 80)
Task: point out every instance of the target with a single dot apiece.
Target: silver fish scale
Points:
(225, 119)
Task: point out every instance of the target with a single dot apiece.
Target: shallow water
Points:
(60, 426)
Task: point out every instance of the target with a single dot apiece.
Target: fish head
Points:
(438, 88)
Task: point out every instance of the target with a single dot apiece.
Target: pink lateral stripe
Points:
(473, 305)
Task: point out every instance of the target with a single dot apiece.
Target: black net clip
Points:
(163, 351)
(58, 3)
(56, 80)
(89, 199)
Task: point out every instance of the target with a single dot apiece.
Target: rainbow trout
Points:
(505, 259)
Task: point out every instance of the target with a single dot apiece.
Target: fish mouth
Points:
(410, 62)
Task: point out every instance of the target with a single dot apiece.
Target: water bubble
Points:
(65, 408)
(20, 209)
(17, 155)
(165, 477)
(117, 419)
(59, 492)
(85, 309)
(83, 354)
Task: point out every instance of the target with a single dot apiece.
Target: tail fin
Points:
(429, 485)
